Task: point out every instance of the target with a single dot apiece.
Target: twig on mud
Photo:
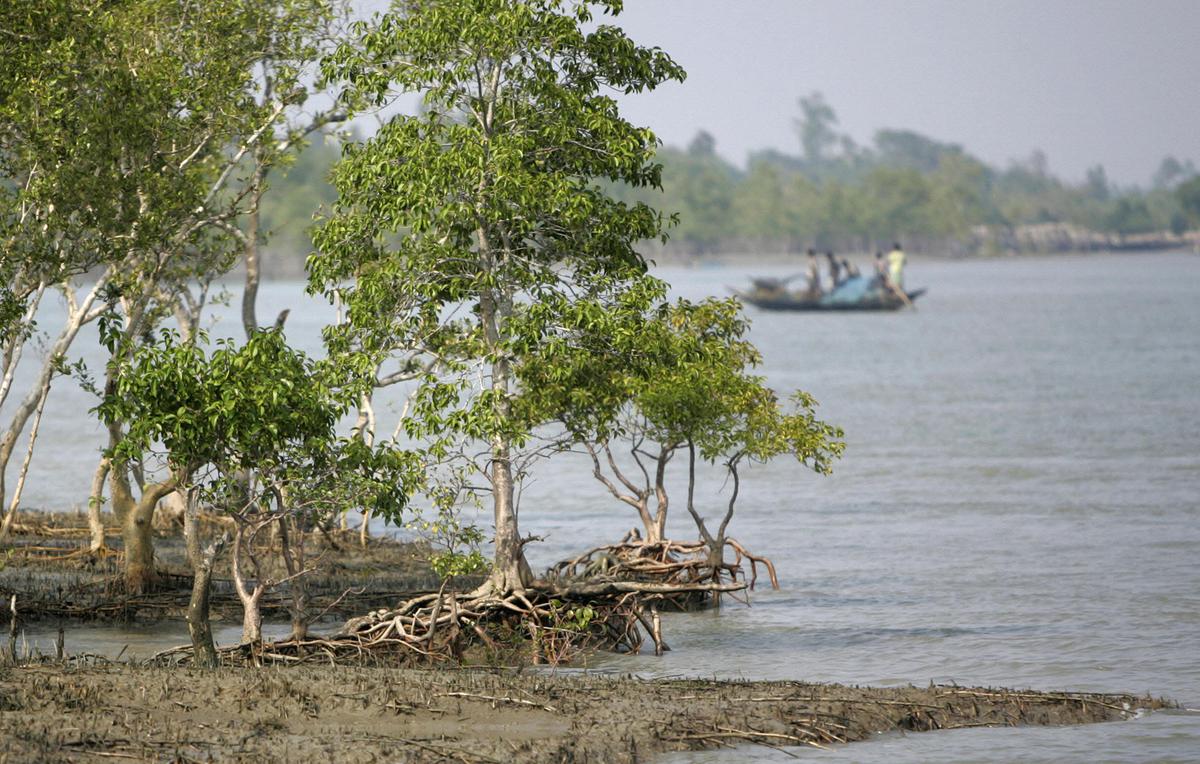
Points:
(871, 702)
(749, 734)
(442, 750)
(1039, 697)
(496, 699)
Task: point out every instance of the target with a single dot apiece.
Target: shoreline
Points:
(92, 709)
(726, 259)
(57, 582)
(77, 711)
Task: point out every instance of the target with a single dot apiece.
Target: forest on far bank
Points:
(836, 194)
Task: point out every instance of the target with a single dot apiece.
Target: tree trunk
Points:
(96, 506)
(659, 531)
(138, 534)
(123, 501)
(364, 428)
(364, 530)
(199, 627)
(293, 559)
(717, 546)
(510, 571)
(16, 344)
(714, 548)
(251, 250)
(191, 528)
(252, 615)
(30, 403)
(24, 472)
(655, 532)
(251, 597)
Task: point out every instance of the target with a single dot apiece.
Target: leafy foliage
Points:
(476, 231)
(260, 407)
(114, 118)
(684, 381)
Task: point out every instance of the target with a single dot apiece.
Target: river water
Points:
(1019, 503)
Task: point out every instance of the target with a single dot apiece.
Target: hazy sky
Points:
(1087, 81)
(1114, 82)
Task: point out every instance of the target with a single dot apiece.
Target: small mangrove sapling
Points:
(261, 409)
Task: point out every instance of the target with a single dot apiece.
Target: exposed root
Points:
(672, 565)
(755, 561)
(607, 598)
(543, 625)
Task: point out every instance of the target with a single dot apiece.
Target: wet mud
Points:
(64, 712)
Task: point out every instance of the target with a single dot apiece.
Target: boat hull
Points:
(788, 302)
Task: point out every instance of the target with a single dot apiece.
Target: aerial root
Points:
(755, 561)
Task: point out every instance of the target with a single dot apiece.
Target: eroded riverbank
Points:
(91, 713)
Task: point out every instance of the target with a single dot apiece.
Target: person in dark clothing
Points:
(881, 269)
(814, 276)
(835, 271)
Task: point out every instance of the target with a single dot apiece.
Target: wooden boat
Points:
(856, 293)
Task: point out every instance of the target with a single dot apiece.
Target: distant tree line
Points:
(837, 194)
(933, 195)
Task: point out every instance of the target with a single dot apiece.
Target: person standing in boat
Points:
(896, 261)
(835, 271)
(814, 276)
(849, 269)
(881, 271)
(894, 278)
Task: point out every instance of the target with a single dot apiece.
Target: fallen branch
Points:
(496, 699)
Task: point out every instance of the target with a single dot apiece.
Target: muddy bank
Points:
(319, 714)
(47, 566)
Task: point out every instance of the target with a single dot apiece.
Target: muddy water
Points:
(132, 641)
(1018, 504)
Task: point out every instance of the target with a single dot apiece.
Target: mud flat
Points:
(88, 709)
(57, 712)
